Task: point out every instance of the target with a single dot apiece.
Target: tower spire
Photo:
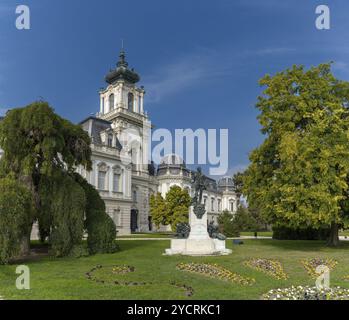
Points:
(122, 56)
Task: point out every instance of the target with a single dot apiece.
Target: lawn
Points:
(66, 278)
(148, 235)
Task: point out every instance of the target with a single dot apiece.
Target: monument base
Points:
(199, 242)
(192, 247)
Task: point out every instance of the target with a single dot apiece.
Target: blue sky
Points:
(200, 61)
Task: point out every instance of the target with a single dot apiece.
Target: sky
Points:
(199, 61)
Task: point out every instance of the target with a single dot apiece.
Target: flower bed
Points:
(105, 275)
(267, 266)
(215, 271)
(310, 265)
(189, 291)
(121, 270)
(307, 293)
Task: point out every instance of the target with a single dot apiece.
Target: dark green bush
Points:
(98, 224)
(67, 209)
(287, 233)
(227, 224)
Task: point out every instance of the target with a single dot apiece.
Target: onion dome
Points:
(122, 72)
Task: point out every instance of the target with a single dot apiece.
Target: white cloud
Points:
(181, 74)
(195, 68)
(3, 111)
(341, 66)
(232, 170)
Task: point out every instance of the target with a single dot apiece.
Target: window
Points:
(110, 140)
(231, 206)
(116, 182)
(219, 205)
(111, 102)
(212, 204)
(101, 180)
(134, 196)
(130, 102)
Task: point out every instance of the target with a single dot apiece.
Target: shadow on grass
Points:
(302, 245)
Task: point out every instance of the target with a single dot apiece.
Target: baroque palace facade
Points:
(124, 180)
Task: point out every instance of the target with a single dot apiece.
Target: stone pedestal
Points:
(199, 242)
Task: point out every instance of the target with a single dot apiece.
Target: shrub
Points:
(227, 224)
(67, 211)
(100, 227)
(287, 233)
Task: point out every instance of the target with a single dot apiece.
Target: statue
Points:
(182, 230)
(199, 185)
(214, 233)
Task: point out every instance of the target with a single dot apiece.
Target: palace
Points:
(123, 179)
(120, 140)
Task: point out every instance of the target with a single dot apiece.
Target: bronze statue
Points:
(199, 185)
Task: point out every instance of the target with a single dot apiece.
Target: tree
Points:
(41, 153)
(173, 209)
(227, 224)
(100, 227)
(299, 175)
(158, 211)
(16, 208)
(238, 184)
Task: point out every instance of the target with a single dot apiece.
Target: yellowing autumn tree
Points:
(299, 175)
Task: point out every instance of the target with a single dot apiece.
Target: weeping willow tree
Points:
(41, 152)
(16, 212)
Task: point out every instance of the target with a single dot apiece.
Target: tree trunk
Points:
(333, 241)
(25, 243)
(25, 246)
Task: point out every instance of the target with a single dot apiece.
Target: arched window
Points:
(111, 102)
(130, 101)
(231, 206)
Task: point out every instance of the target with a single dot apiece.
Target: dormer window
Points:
(130, 101)
(110, 140)
(111, 102)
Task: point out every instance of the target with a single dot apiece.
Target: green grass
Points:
(65, 278)
(148, 235)
(260, 234)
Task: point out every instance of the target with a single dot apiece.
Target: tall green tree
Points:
(173, 209)
(41, 153)
(158, 210)
(299, 175)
